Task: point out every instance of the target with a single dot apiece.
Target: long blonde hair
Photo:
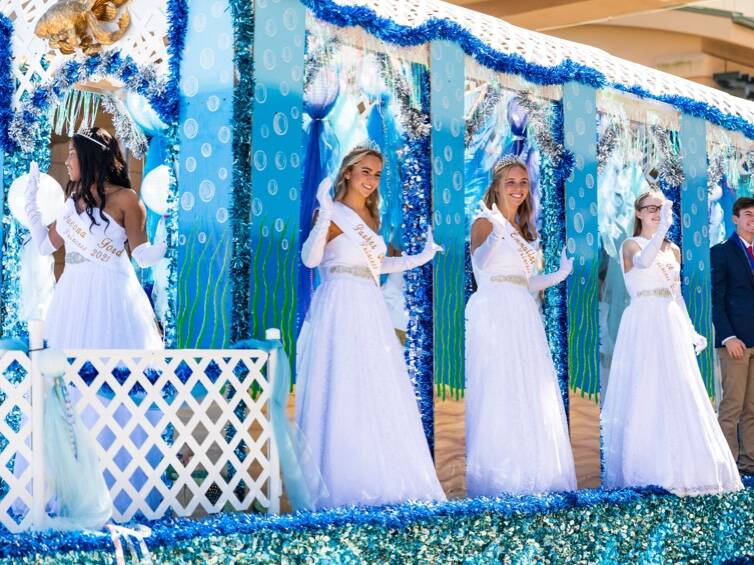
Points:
(637, 204)
(353, 157)
(524, 215)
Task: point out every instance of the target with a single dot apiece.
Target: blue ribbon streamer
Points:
(303, 482)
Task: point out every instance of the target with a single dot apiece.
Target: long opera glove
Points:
(39, 232)
(313, 248)
(541, 282)
(406, 262)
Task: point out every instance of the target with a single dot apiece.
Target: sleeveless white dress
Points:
(355, 405)
(96, 304)
(516, 431)
(658, 424)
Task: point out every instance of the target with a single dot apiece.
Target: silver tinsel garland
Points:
(670, 166)
(126, 129)
(539, 126)
(607, 143)
(24, 126)
(414, 122)
(483, 111)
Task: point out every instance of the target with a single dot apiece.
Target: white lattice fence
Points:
(183, 432)
(15, 441)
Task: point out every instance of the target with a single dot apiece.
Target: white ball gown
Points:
(516, 431)
(658, 424)
(98, 302)
(355, 405)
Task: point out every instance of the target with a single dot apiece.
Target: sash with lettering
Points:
(523, 248)
(101, 244)
(356, 229)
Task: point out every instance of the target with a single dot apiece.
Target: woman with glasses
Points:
(658, 424)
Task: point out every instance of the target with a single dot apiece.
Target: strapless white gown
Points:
(355, 404)
(99, 307)
(658, 424)
(516, 431)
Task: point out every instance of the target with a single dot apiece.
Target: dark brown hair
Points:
(741, 204)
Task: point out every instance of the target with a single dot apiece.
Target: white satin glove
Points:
(406, 262)
(541, 282)
(39, 233)
(313, 248)
(645, 257)
(700, 343)
(501, 229)
(147, 255)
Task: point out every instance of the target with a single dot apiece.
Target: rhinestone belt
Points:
(72, 258)
(513, 279)
(355, 270)
(662, 292)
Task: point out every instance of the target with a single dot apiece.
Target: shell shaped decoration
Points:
(85, 26)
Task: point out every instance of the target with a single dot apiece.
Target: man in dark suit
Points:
(733, 316)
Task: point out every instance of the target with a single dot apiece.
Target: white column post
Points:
(37, 425)
(276, 483)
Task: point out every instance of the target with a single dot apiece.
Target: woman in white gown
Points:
(98, 302)
(516, 431)
(355, 405)
(658, 424)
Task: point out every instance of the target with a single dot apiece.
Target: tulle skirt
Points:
(355, 405)
(658, 424)
(516, 431)
(94, 307)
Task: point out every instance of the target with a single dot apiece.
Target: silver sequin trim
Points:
(355, 270)
(72, 258)
(513, 279)
(662, 292)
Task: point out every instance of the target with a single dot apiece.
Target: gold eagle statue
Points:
(78, 25)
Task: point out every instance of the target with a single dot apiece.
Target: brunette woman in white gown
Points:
(98, 302)
(355, 404)
(658, 424)
(516, 431)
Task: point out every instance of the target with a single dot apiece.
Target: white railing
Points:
(181, 432)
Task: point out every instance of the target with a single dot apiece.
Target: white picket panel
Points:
(180, 432)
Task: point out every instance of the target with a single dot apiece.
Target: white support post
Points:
(276, 485)
(36, 342)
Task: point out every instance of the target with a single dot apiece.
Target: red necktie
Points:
(749, 251)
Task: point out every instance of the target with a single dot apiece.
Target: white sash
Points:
(355, 229)
(95, 247)
(523, 248)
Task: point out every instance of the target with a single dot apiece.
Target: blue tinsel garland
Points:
(6, 78)
(240, 213)
(553, 235)
(524, 518)
(566, 71)
(417, 213)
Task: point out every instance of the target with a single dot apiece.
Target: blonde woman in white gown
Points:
(658, 424)
(516, 430)
(355, 405)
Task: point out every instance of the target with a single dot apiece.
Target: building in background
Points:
(710, 42)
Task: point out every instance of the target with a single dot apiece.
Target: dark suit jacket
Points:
(732, 292)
